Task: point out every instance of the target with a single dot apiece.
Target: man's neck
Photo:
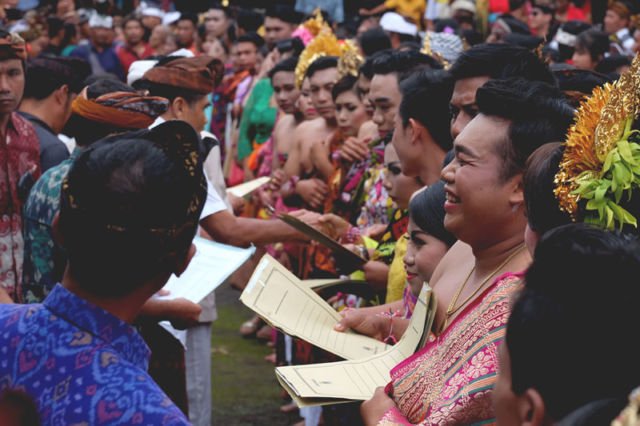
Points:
(488, 258)
(137, 46)
(432, 161)
(39, 109)
(4, 122)
(169, 115)
(125, 308)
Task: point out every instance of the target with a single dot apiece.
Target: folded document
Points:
(287, 303)
(356, 380)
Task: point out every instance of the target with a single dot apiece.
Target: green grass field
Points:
(245, 390)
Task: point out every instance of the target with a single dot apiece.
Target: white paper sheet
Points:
(248, 187)
(209, 268)
(212, 264)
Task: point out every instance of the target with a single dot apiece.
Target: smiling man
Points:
(485, 211)
(19, 163)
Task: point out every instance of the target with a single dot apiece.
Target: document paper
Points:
(212, 264)
(285, 302)
(209, 268)
(356, 380)
(248, 187)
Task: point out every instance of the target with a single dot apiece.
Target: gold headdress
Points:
(600, 164)
(315, 23)
(350, 60)
(324, 44)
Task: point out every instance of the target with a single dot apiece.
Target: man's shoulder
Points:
(459, 255)
(22, 123)
(45, 193)
(10, 312)
(313, 125)
(15, 320)
(81, 51)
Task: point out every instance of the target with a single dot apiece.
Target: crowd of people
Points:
(487, 149)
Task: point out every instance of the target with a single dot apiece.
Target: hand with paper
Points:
(363, 321)
(353, 380)
(285, 302)
(346, 260)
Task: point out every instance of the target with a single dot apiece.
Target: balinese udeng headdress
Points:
(600, 167)
(327, 44)
(443, 47)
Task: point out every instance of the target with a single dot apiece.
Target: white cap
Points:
(467, 5)
(100, 21)
(170, 17)
(138, 68)
(183, 53)
(396, 23)
(152, 11)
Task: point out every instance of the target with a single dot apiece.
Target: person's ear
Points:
(416, 131)
(517, 190)
(178, 106)
(61, 95)
(531, 409)
(182, 262)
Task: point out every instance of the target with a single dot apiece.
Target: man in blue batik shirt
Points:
(129, 209)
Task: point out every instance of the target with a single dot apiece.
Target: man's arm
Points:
(226, 228)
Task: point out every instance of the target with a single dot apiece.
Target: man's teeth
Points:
(452, 199)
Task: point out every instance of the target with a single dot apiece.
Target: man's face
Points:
(11, 85)
(463, 102)
(133, 32)
(216, 22)
(364, 86)
(538, 19)
(276, 30)
(246, 56)
(350, 113)
(285, 91)
(321, 83)
(185, 32)
(478, 203)
(102, 37)
(150, 22)
(385, 97)
(614, 22)
(195, 113)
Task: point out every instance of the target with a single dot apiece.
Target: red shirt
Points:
(128, 56)
(19, 169)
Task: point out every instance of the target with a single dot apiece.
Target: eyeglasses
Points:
(535, 13)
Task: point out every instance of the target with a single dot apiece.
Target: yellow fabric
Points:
(397, 274)
(412, 9)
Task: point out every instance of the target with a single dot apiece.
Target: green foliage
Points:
(619, 177)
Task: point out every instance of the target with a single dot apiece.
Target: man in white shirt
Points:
(186, 82)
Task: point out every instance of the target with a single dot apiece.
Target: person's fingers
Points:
(322, 187)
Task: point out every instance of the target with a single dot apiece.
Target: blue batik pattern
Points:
(80, 364)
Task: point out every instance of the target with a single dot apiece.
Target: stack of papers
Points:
(286, 303)
(356, 380)
(293, 306)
